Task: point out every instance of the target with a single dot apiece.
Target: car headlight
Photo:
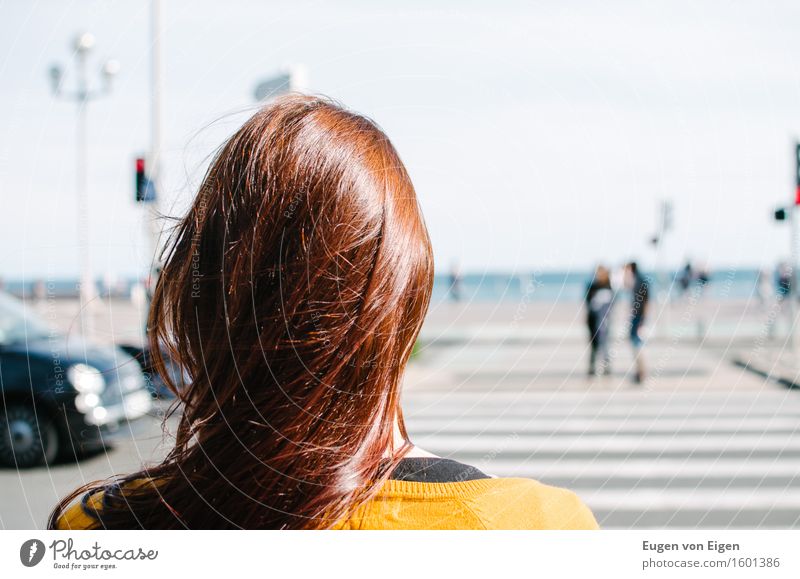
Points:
(86, 379)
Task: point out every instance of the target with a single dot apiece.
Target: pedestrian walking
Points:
(784, 288)
(599, 300)
(455, 282)
(639, 287)
(685, 278)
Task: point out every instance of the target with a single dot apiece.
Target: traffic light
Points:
(141, 180)
(145, 189)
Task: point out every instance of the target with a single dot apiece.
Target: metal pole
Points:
(82, 96)
(156, 145)
(661, 322)
(792, 295)
(87, 288)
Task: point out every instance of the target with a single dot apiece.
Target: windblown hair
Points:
(291, 295)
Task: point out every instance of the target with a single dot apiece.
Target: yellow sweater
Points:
(493, 503)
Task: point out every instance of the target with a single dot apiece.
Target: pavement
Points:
(704, 442)
(28, 496)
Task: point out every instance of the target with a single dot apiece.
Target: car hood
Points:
(73, 351)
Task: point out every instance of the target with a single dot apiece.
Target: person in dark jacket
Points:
(599, 300)
(639, 287)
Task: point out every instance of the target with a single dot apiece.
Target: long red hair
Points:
(291, 294)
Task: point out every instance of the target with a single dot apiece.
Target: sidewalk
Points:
(710, 322)
(538, 346)
(713, 344)
(561, 366)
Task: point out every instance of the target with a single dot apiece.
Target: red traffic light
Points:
(143, 187)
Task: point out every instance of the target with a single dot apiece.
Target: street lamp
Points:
(82, 95)
(665, 225)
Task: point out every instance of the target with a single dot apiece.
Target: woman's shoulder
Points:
(84, 513)
(79, 515)
(521, 503)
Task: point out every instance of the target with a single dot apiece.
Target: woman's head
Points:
(602, 275)
(292, 293)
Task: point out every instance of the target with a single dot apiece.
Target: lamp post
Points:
(665, 224)
(82, 95)
(156, 138)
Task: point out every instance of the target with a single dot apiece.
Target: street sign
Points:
(667, 214)
(293, 78)
(797, 173)
(274, 86)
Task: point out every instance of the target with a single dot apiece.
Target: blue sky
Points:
(538, 134)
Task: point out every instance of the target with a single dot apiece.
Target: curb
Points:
(791, 383)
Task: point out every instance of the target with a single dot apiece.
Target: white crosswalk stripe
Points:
(637, 458)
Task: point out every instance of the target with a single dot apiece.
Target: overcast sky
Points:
(538, 134)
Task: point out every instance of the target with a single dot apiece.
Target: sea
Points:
(548, 286)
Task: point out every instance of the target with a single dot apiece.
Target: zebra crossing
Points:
(638, 458)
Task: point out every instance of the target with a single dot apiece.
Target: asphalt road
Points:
(703, 443)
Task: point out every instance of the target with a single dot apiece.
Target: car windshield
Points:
(18, 323)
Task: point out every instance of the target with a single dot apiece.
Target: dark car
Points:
(60, 397)
(155, 382)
